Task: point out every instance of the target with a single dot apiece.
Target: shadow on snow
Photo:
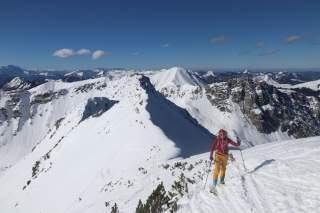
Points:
(263, 164)
(176, 123)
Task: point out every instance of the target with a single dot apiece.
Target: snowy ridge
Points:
(281, 177)
(134, 131)
(196, 101)
(314, 85)
(209, 73)
(269, 80)
(174, 77)
(16, 83)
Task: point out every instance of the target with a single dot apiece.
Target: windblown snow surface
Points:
(81, 147)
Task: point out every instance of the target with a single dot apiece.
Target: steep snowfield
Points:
(80, 155)
(280, 177)
(175, 77)
(194, 99)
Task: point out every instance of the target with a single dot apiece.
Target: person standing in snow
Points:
(220, 147)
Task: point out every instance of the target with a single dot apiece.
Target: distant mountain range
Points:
(37, 77)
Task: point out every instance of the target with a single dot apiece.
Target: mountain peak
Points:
(16, 83)
(175, 76)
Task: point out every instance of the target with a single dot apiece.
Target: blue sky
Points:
(154, 34)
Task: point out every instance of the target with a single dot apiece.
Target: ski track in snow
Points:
(271, 187)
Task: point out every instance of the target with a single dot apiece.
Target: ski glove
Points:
(238, 140)
(211, 158)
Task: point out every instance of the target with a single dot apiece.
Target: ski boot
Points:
(222, 180)
(213, 188)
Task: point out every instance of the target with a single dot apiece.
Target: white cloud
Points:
(166, 45)
(292, 38)
(135, 53)
(63, 53)
(271, 51)
(83, 52)
(219, 40)
(98, 54)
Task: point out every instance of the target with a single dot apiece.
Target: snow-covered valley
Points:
(83, 146)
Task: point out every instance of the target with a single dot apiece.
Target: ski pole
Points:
(238, 139)
(205, 183)
(244, 165)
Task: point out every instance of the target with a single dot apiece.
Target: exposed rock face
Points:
(97, 106)
(282, 77)
(296, 111)
(47, 97)
(218, 95)
(16, 108)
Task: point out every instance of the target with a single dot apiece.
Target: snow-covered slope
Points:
(314, 85)
(16, 83)
(280, 177)
(197, 100)
(79, 141)
(175, 77)
(83, 146)
(269, 80)
(86, 164)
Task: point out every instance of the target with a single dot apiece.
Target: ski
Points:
(213, 190)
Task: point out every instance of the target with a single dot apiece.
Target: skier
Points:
(220, 147)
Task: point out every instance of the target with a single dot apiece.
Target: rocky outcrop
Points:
(97, 106)
(296, 111)
(48, 96)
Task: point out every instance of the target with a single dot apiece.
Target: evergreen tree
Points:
(115, 208)
(157, 202)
